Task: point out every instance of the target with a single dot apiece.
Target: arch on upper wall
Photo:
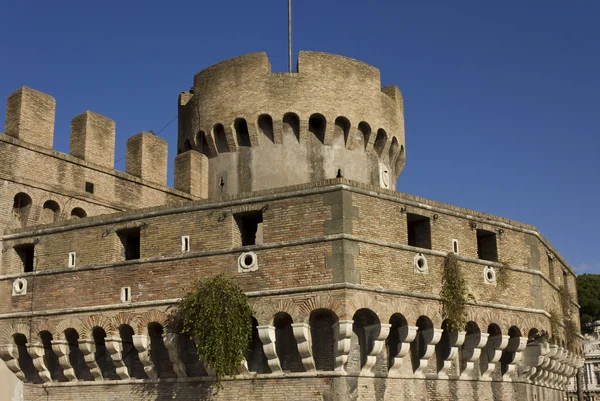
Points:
(342, 126)
(317, 124)
(265, 126)
(380, 141)
(394, 147)
(366, 326)
(242, 134)
(321, 329)
(50, 212)
(286, 344)
(364, 132)
(187, 145)
(21, 209)
(78, 213)
(202, 144)
(220, 138)
(291, 123)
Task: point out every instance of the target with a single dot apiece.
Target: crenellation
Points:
(93, 139)
(30, 117)
(146, 157)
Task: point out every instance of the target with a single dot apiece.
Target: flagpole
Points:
(290, 35)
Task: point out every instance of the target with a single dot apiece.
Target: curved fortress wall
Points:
(261, 130)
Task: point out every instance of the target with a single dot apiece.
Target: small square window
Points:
(89, 187)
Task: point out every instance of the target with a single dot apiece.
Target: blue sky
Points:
(501, 98)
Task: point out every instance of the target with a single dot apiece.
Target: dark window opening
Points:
(241, 131)
(363, 134)
(250, 227)
(487, 249)
(130, 238)
(291, 123)
(316, 125)
(220, 138)
(78, 213)
(26, 254)
(419, 231)
(265, 124)
(380, 141)
(21, 207)
(89, 187)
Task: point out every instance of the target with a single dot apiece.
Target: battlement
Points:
(330, 119)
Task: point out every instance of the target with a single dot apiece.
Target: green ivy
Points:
(502, 275)
(454, 294)
(217, 316)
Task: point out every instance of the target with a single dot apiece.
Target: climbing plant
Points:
(216, 314)
(502, 275)
(454, 294)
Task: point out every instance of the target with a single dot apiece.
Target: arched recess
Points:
(380, 141)
(533, 335)
(467, 350)
(187, 145)
(50, 358)
(393, 149)
(366, 326)
(362, 135)
(130, 353)
(442, 348)
(76, 358)
(255, 356)
(291, 125)
(400, 161)
(220, 138)
(508, 354)
(50, 212)
(241, 132)
(158, 351)
(21, 208)
(342, 129)
(202, 144)
(286, 345)
(321, 330)
(397, 334)
(317, 125)
(265, 125)
(103, 359)
(78, 213)
(25, 361)
(418, 347)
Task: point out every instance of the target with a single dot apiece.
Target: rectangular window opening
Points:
(89, 187)
(551, 268)
(185, 243)
(487, 248)
(125, 294)
(26, 253)
(419, 231)
(130, 239)
(250, 225)
(72, 259)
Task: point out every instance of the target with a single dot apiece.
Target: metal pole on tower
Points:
(290, 35)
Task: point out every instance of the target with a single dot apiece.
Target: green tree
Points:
(217, 316)
(588, 291)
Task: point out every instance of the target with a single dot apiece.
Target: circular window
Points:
(19, 286)
(247, 262)
(420, 263)
(489, 274)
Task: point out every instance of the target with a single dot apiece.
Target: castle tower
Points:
(262, 130)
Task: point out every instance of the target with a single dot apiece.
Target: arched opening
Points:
(533, 335)
(317, 124)
(366, 326)
(220, 138)
(158, 351)
(467, 350)
(241, 131)
(342, 128)
(78, 213)
(103, 358)
(291, 125)
(76, 358)
(193, 366)
(443, 348)
(203, 144)
(265, 125)
(508, 355)
(321, 330)
(50, 358)
(255, 356)
(393, 149)
(21, 208)
(130, 353)
(418, 347)
(362, 135)
(286, 345)
(400, 161)
(187, 145)
(398, 333)
(50, 212)
(25, 361)
(380, 141)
